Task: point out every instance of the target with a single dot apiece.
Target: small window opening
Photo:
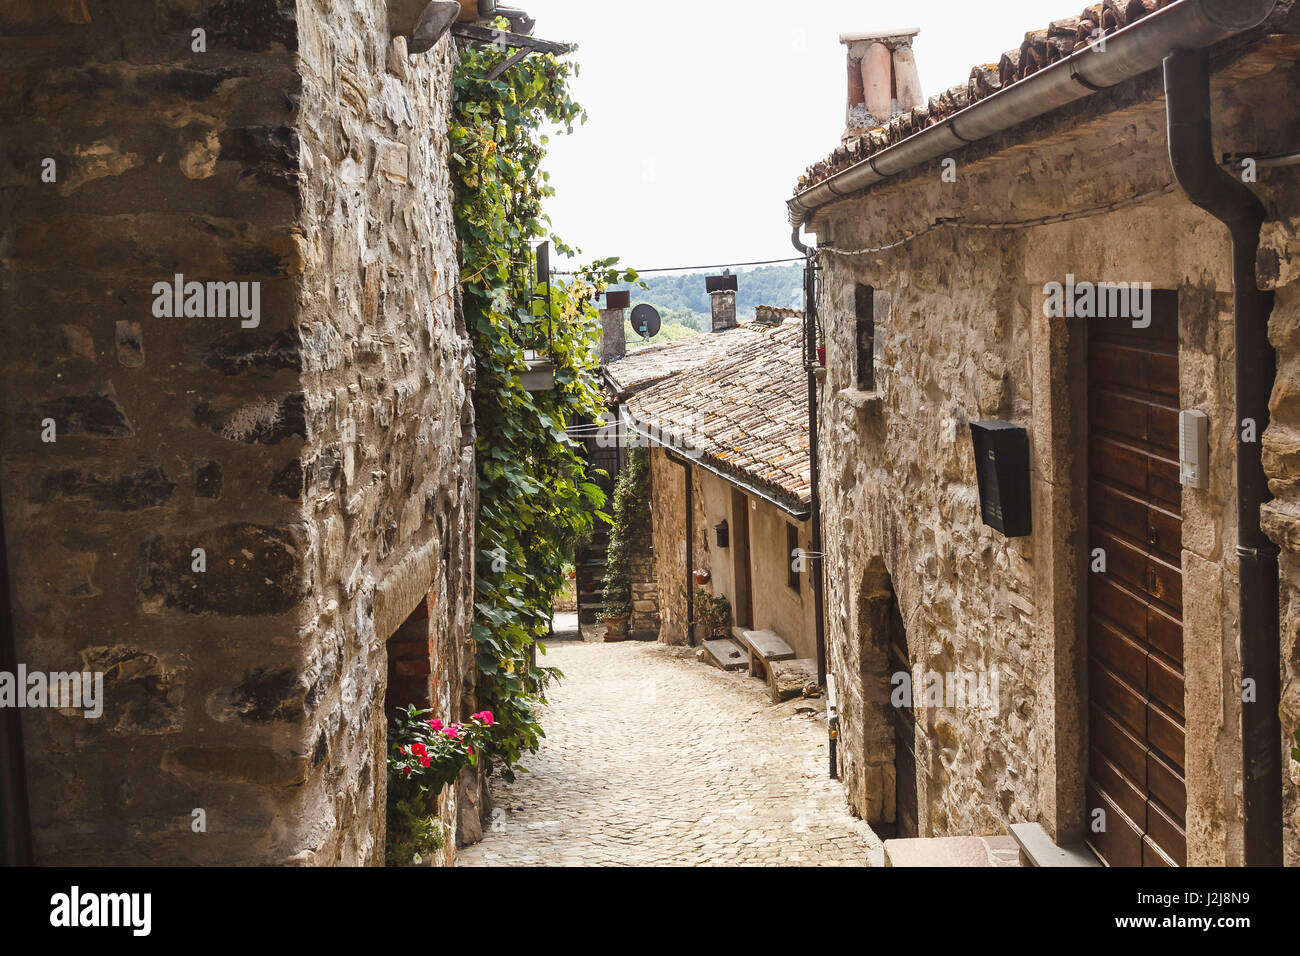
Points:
(795, 556)
(865, 359)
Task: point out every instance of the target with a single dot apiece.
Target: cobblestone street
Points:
(652, 758)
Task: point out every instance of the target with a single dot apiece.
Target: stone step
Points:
(786, 680)
(1037, 849)
(725, 653)
(960, 851)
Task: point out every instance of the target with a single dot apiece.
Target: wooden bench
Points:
(764, 647)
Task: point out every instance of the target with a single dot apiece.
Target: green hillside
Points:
(682, 294)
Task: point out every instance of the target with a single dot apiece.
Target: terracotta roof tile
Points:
(746, 414)
(643, 367)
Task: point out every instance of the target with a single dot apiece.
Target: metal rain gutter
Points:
(1121, 56)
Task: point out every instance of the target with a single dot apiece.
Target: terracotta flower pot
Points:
(703, 577)
(616, 628)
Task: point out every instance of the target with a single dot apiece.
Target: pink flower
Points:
(401, 750)
(407, 771)
(418, 750)
(452, 732)
(470, 751)
(435, 725)
(485, 716)
(425, 760)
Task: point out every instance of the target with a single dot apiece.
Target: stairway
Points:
(590, 566)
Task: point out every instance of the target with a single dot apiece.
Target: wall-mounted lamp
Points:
(422, 22)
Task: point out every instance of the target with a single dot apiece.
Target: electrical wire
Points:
(958, 222)
(716, 265)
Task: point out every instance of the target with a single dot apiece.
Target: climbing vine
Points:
(630, 533)
(535, 494)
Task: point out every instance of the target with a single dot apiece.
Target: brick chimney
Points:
(882, 79)
(722, 292)
(724, 309)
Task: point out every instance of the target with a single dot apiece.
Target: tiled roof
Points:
(642, 367)
(1040, 49)
(746, 415)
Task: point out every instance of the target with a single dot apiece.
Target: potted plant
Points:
(703, 576)
(712, 616)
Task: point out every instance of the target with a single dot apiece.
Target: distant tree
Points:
(683, 293)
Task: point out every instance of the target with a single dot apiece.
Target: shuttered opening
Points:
(1136, 718)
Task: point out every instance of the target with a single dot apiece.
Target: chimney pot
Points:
(907, 81)
(878, 81)
(882, 78)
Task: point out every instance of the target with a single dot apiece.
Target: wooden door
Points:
(1136, 727)
(744, 600)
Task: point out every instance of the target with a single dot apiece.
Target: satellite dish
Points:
(645, 320)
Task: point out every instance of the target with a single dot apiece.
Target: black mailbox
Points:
(618, 300)
(724, 538)
(1002, 465)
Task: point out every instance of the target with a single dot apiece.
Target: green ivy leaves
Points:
(535, 495)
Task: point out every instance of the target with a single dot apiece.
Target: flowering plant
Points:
(425, 754)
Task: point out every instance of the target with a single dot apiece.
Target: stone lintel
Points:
(859, 42)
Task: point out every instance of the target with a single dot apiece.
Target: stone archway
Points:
(879, 738)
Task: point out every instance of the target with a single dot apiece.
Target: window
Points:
(794, 557)
(864, 370)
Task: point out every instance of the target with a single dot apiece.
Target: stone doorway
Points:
(743, 605)
(888, 792)
(410, 663)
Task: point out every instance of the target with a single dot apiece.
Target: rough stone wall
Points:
(668, 527)
(1280, 270)
(320, 458)
(388, 378)
(961, 336)
(645, 621)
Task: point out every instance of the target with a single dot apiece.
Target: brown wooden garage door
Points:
(1135, 631)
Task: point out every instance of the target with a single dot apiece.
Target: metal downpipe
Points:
(1191, 154)
(814, 467)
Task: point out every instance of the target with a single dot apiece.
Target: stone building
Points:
(728, 413)
(227, 512)
(1101, 652)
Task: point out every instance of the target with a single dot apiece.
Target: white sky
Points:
(703, 113)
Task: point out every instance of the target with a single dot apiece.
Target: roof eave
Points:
(1120, 57)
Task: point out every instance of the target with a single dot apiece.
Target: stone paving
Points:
(653, 758)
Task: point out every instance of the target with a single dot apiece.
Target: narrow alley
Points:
(654, 758)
